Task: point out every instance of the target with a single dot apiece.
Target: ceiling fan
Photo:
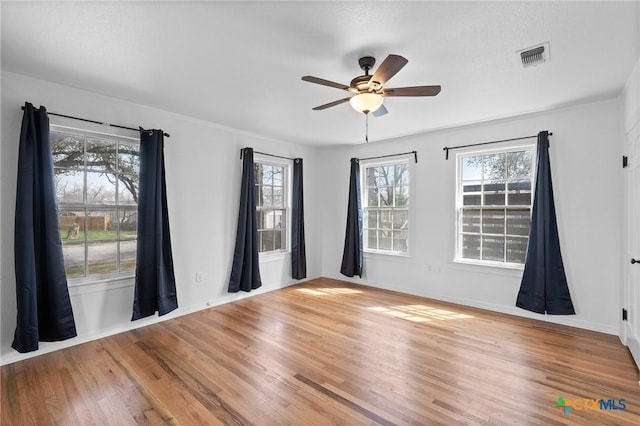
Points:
(368, 89)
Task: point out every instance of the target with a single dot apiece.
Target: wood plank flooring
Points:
(328, 352)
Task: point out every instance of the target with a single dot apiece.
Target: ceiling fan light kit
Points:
(366, 102)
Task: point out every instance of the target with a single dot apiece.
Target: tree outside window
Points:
(494, 205)
(386, 207)
(271, 206)
(97, 193)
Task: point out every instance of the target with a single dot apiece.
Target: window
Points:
(385, 193)
(96, 179)
(272, 205)
(494, 205)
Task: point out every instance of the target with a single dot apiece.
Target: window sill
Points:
(390, 257)
(273, 257)
(487, 268)
(99, 285)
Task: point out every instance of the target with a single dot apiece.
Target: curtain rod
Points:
(97, 122)
(415, 156)
(447, 148)
(270, 155)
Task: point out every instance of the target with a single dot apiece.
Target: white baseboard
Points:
(511, 310)
(47, 347)
(634, 347)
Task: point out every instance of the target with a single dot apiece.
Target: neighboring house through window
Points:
(493, 205)
(385, 190)
(96, 178)
(272, 204)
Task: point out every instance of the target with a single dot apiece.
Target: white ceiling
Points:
(239, 64)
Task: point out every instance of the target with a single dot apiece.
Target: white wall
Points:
(203, 179)
(587, 179)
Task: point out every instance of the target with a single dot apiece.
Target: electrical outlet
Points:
(198, 277)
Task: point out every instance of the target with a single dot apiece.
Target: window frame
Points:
(84, 206)
(458, 199)
(402, 159)
(287, 185)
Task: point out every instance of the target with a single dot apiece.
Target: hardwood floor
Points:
(328, 352)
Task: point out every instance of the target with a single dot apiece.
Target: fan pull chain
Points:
(366, 128)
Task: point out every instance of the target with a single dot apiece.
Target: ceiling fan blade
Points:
(388, 68)
(331, 104)
(324, 82)
(412, 91)
(380, 111)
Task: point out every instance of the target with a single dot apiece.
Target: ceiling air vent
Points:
(535, 55)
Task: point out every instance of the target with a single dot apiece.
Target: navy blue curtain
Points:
(155, 284)
(245, 271)
(298, 253)
(42, 295)
(544, 284)
(352, 255)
